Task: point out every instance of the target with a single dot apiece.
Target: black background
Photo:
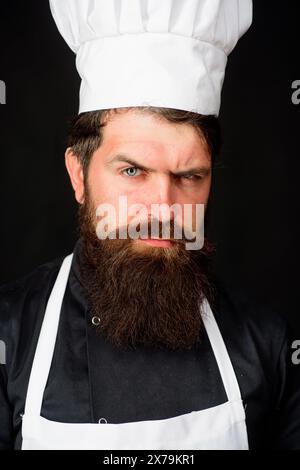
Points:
(255, 194)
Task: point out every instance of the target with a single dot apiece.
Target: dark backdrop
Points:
(255, 202)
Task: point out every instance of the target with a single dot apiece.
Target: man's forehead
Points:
(148, 138)
(135, 126)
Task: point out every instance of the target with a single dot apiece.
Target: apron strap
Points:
(46, 343)
(221, 354)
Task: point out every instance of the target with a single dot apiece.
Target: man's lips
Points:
(157, 242)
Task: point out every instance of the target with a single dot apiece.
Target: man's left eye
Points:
(131, 171)
(192, 177)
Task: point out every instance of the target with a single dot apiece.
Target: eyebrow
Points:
(203, 170)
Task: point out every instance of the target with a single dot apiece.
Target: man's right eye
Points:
(131, 171)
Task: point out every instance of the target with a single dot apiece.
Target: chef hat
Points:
(165, 53)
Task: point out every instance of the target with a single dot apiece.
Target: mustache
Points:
(169, 230)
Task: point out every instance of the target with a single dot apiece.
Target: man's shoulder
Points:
(31, 279)
(238, 310)
(27, 290)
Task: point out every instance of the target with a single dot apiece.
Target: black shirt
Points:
(90, 379)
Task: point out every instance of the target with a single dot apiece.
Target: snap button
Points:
(96, 321)
(102, 421)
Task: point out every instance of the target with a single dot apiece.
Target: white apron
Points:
(219, 427)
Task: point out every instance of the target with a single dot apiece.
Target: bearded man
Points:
(129, 342)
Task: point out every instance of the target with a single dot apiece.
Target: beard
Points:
(144, 295)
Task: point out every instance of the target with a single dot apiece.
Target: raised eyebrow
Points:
(130, 161)
(203, 170)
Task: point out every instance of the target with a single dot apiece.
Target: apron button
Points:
(102, 421)
(96, 321)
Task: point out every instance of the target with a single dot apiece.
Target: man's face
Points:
(149, 161)
(146, 292)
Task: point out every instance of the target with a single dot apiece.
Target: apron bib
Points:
(220, 427)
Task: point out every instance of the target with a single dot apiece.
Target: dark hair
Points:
(86, 135)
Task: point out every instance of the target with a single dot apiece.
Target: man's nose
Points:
(163, 195)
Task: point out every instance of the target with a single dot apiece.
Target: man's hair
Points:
(86, 134)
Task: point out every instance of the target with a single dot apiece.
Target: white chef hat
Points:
(165, 53)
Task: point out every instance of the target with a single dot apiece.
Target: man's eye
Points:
(131, 171)
(192, 177)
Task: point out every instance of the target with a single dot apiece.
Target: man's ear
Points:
(75, 171)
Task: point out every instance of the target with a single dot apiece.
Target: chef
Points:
(131, 343)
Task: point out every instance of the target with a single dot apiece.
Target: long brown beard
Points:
(150, 297)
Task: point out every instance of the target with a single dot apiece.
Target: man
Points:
(129, 342)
